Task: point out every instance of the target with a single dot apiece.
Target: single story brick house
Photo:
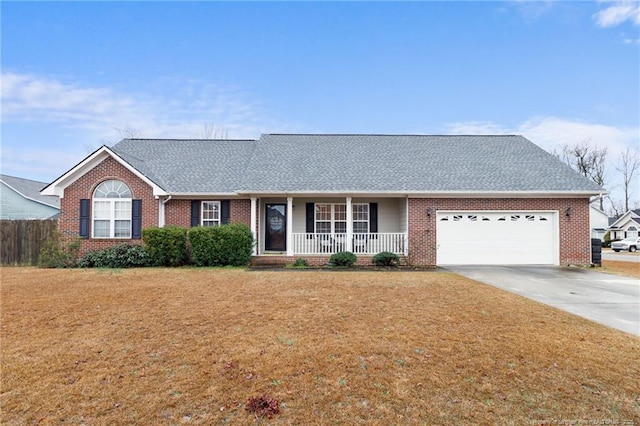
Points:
(434, 200)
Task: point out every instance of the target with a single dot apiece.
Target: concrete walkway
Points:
(607, 299)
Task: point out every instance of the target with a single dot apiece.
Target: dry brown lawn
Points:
(191, 346)
(629, 269)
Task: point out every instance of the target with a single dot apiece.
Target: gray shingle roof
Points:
(352, 163)
(187, 165)
(30, 189)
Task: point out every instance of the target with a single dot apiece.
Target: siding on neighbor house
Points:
(15, 206)
(574, 241)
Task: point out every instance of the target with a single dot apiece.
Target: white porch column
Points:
(254, 225)
(406, 229)
(349, 225)
(289, 226)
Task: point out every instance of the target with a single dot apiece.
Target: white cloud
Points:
(49, 125)
(617, 13)
(100, 110)
(552, 133)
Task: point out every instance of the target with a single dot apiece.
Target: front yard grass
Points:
(191, 346)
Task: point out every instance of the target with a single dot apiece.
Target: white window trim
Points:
(368, 221)
(333, 216)
(214, 222)
(112, 217)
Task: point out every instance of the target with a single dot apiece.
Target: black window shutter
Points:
(84, 218)
(195, 212)
(136, 219)
(225, 211)
(373, 218)
(311, 218)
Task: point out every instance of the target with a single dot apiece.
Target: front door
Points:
(275, 236)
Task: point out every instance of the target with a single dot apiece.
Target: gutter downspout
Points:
(161, 215)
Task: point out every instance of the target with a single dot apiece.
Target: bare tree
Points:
(127, 132)
(209, 131)
(628, 164)
(587, 160)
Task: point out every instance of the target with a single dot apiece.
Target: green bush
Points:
(386, 258)
(607, 239)
(167, 246)
(119, 256)
(343, 259)
(57, 253)
(299, 263)
(225, 245)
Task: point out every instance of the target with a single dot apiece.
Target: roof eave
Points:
(432, 194)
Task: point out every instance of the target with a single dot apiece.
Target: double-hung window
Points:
(210, 213)
(331, 218)
(112, 210)
(360, 218)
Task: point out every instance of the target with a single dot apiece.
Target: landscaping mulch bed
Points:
(229, 346)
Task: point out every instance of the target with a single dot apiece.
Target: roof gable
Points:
(629, 216)
(57, 186)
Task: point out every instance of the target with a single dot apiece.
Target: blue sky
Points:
(77, 75)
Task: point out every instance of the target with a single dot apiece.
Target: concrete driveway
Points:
(607, 299)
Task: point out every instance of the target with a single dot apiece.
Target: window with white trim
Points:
(111, 210)
(210, 213)
(360, 218)
(331, 218)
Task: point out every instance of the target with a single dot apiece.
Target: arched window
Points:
(112, 210)
(632, 231)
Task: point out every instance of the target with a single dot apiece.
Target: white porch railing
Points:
(367, 244)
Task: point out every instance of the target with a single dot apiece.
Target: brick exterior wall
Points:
(575, 242)
(84, 187)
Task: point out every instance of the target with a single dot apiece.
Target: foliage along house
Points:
(434, 200)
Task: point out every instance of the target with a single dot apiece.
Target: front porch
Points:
(321, 226)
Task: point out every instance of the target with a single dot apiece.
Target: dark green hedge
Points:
(119, 256)
(225, 245)
(167, 246)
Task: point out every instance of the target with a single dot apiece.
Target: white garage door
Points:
(497, 238)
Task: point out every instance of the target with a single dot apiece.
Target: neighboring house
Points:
(599, 222)
(434, 200)
(626, 225)
(21, 199)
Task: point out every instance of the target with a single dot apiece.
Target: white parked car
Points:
(628, 244)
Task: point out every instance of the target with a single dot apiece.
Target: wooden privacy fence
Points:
(21, 240)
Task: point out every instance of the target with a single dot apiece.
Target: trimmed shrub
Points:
(225, 245)
(386, 258)
(119, 256)
(167, 246)
(57, 253)
(300, 263)
(343, 259)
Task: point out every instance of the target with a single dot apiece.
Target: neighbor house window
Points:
(210, 213)
(112, 210)
(331, 218)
